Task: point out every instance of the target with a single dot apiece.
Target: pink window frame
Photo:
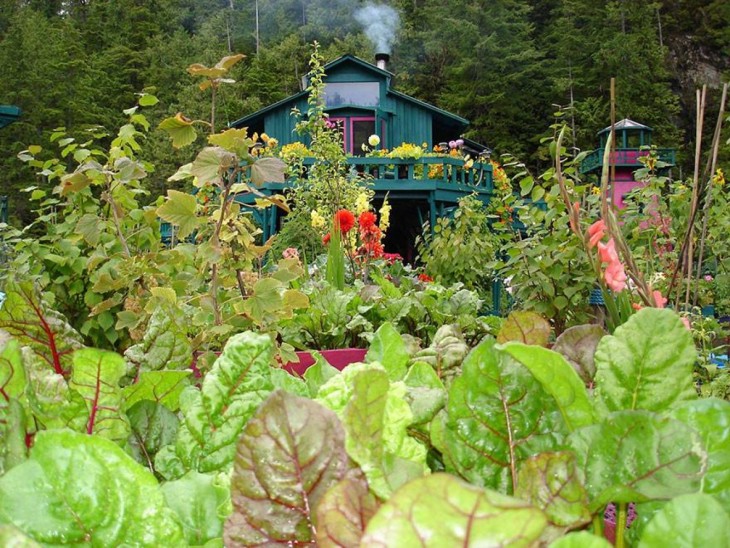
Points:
(351, 132)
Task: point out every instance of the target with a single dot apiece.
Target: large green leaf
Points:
(180, 209)
(90, 226)
(344, 512)
(26, 318)
(550, 482)
(578, 345)
(635, 456)
(214, 416)
(96, 375)
(558, 379)
(426, 393)
(210, 163)
(498, 416)
(13, 449)
(197, 499)
(318, 374)
(233, 140)
(12, 537)
(162, 387)
(376, 416)
(388, 348)
(710, 417)
(165, 344)
(153, 427)
(689, 520)
(180, 129)
(12, 373)
(268, 170)
(646, 364)
(290, 453)
(77, 489)
(441, 510)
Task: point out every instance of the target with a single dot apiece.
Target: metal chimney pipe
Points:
(381, 60)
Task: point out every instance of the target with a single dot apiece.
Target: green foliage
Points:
(461, 248)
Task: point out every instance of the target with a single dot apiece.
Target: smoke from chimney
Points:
(380, 23)
(381, 60)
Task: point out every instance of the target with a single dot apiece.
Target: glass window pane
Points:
(361, 130)
(363, 94)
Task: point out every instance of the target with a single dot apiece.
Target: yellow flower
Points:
(362, 204)
(272, 143)
(385, 216)
(317, 219)
(719, 177)
(264, 138)
(596, 190)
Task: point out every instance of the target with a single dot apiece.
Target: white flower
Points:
(373, 140)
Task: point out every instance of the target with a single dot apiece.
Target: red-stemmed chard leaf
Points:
(578, 345)
(25, 317)
(345, 511)
(96, 375)
(289, 454)
(550, 482)
(498, 416)
(635, 456)
(441, 510)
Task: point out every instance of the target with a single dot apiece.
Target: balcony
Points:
(625, 157)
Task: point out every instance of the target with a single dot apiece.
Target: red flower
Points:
(425, 278)
(392, 257)
(345, 220)
(326, 238)
(367, 220)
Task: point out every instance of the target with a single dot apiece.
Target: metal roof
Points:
(625, 124)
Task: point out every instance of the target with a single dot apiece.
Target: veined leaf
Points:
(153, 427)
(96, 375)
(12, 373)
(77, 489)
(12, 537)
(344, 512)
(210, 163)
(581, 539)
(268, 170)
(388, 348)
(550, 482)
(525, 327)
(290, 453)
(578, 345)
(229, 60)
(233, 140)
(13, 450)
(635, 456)
(90, 227)
(558, 379)
(180, 209)
(197, 499)
(26, 318)
(163, 387)
(646, 364)
(180, 129)
(694, 519)
(165, 343)
(710, 418)
(441, 510)
(498, 416)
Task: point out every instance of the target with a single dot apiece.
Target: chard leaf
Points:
(498, 416)
(694, 519)
(286, 381)
(635, 456)
(578, 345)
(214, 416)
(376, 417)
(441, 510)
(581, 539)
(12, 372)
(26, 318)
(559, 380)
(426, 393)
(318, 374)
(289, 454)
(710, 417)
(550, 482)
(163, 387)
(197, 499)
(388, 348)
(345, 511)
(12, 537)
(646, 364)
(96, 375)
(13, 450)
(525, 327)
(77, 489)
(164, 345)
(153, 427)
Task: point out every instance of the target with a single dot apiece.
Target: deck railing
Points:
(625, 157)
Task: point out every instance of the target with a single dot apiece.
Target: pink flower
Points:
(686, 323)
(659, 300)
(708, 278)
(614, 275)
(290, 253)
(596, 232)
(607, 252)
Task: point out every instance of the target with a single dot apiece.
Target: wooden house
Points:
(360, 99)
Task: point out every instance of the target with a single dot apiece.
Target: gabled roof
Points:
(8, 114)
(254, 117)
(625, 124)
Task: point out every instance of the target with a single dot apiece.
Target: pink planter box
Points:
(338, 359)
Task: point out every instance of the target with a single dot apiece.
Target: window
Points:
(360, 130)
(363, 94)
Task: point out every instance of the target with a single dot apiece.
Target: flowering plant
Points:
(407, 150)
